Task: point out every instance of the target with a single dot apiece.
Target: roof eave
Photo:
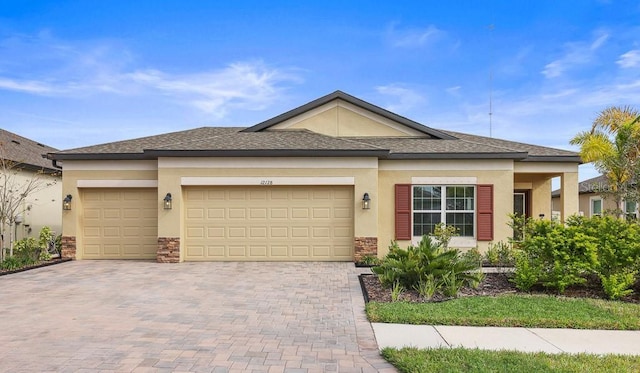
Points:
(513, 156)
(268, 153)
(97, 156)
(554, 158)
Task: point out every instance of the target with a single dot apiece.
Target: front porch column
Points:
(569, 197)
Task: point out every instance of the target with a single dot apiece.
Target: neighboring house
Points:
(41, 208)
(332, 180)
(592, 200)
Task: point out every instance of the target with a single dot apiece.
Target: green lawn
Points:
(464, 360)
(538, 311)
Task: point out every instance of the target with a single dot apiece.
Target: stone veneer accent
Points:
(68, 249)
(365, 246)
(168, 250)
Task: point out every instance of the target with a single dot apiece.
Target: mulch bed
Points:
(494, 284)
(38, 265)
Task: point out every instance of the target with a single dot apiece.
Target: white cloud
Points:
(78, 69)
(245, 85)
(629, 59)
(26, 86)
(412, 37)
(406, 98)
(454, 91)
(577, 53)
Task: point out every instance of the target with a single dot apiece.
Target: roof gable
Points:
(341, 115)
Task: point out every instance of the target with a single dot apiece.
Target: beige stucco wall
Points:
(341, 119)
(41, 208)
(499, 173)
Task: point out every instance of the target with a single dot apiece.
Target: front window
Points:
(631, 210)
(435, 204)
(596, 207)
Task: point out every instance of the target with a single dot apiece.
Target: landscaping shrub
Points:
(426, 266)
(557, 256)
(26, 251)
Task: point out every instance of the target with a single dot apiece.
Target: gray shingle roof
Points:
(261, 140)
(25, 151)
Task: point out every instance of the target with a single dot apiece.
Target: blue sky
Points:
(76, 73)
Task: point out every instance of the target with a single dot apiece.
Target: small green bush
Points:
(10, 263)
(426, 265)
(27, 251)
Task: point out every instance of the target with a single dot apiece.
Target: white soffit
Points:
(453, 180)
(110, 165)
(195, 181)
(117, 183)
(279, 162)
(446, 165)
(545, 167)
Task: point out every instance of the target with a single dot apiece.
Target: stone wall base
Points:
(168, 250)
(365, 246)
(68, 249)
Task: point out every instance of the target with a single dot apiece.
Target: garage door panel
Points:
(110, 213)
(279, 213)
(269, 223)
(321, 251)
(237, 213)
(119, 223)
(279, 251)
(258, 213)
(321, 213)
(215, 213)
(299, 213)
(218, 232)
(195, 213)
(239, 251)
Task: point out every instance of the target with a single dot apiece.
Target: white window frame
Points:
(591, 201)
(634, 212)
(457, 241)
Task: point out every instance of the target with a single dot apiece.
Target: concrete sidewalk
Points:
(519, 339)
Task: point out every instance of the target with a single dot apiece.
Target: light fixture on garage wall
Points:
(366, 201)
(167, 202)
(66, 202)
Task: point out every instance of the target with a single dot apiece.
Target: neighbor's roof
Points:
(588, 186)
(261, 140)
(25, 152)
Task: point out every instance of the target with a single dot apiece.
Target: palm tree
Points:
(613, 145)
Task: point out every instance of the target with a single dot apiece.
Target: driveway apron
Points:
(193, 317)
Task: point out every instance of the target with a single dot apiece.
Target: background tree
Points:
(613, 146)
(17, 182)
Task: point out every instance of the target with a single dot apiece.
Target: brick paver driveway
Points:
(202, 317)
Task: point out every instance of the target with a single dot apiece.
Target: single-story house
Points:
(25, 163)
(593, 200)
(332, 180)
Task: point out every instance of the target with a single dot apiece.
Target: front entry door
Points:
(520, 212)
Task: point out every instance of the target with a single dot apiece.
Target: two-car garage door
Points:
(233, 223)
(269, 223)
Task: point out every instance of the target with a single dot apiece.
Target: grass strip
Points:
(464, 360)
(534, 311)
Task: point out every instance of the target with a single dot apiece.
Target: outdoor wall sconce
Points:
(167, 202)
(66, 202)
(366, 202)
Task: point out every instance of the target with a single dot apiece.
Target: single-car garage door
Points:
(120, 223)
(275, 223)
